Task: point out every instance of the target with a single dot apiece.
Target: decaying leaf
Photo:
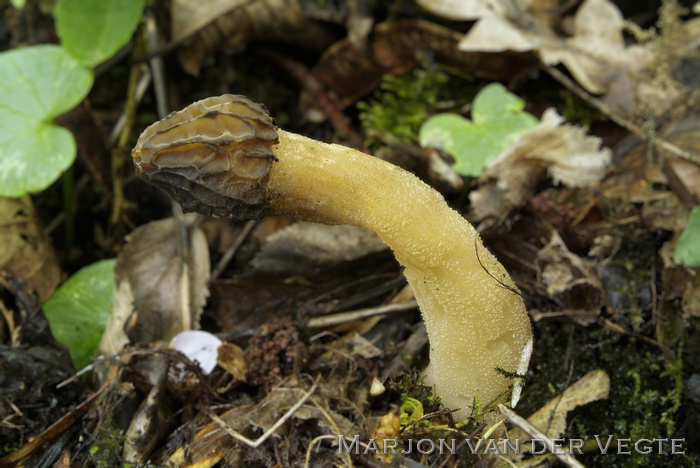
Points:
(595, 54)
(361, 346)
(151, 420)
(560, 270)
(26, 251)
(551, 418)
(166, 290)
(207, 25)
(281, 398)
(212, 443)
(565, 151)
(303, 248)
(351, 73)
(232, 358)
(114, 337)
(632, 78)
(691, 298)
(461, 10)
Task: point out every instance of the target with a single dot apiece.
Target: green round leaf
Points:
(497, 121)
(79, 309)
(688, 246)
(93, 30)
(493, 101)
(440, 131)
(39, 84)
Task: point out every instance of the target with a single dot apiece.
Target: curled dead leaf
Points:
(166, 290)
(560, 270)
(232, 359)
(303, 248)
(206, 25)
(564, 151)
(551, 418)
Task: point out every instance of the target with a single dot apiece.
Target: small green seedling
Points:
(42, 82)
(78, 311)
(688, 246)
(497, 121)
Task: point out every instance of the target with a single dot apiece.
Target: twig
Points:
(327, 102)
(334, 426)
(141, 88)
(157, 67)
(266, 435)
(119, 153)
(52, 432)
(522, 423)
(610, 325)
(315, 441)
(638, 131)
(247, 228)
(344, 317)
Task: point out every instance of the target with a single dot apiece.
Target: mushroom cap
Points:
(212, 157)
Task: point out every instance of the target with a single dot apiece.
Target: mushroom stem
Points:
(477, 325)
(216, 157)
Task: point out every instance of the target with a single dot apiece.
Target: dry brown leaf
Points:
(551, 418)
(26, 251)
(561, 270)
(280, 399)
(361, 346)
(596, 53)
(151, 420)
(303, 248)
(571, 156)
(232, 358)
(165, 295)
(462, 10)
(208, 25)
(114, 337)
(352, 73)
(467, 10)
(212, 443)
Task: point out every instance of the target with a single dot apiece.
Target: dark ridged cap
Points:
(212, 157)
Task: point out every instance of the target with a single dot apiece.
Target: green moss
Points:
(107, 447)
(645, 395)
(411, 386)
(402, 104)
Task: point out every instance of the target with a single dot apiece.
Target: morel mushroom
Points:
(223, 156)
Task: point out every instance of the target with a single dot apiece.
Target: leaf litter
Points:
(574, 221)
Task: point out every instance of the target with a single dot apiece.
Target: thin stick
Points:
(266, 435)
(144, 83)
(317, 440)
(157, 66)
(247, 228)
(344, 317)
(638, 131)
(334, 426)
(522, 423)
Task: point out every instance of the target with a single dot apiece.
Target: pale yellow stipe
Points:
(479, 330)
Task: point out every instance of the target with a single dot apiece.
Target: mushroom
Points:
(223, 156)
